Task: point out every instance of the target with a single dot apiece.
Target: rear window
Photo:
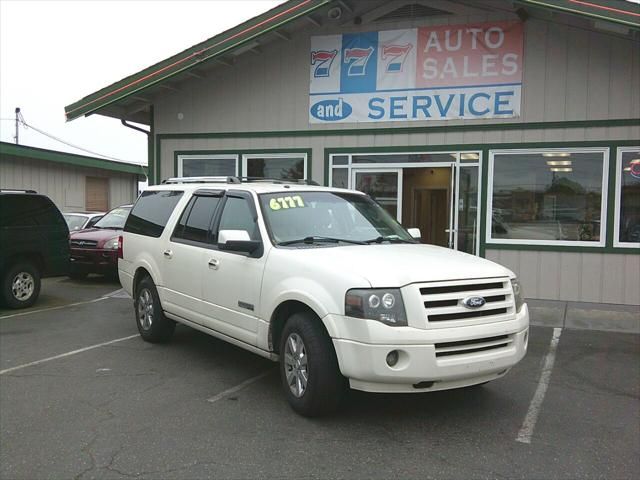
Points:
(151, 212)
(24, 210)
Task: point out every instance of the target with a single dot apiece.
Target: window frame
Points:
(247, 156)
(489, 240)
(617, 200)
(208, 243)
(204, 156)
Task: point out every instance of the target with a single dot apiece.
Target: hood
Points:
(97, 234)
(397, 265)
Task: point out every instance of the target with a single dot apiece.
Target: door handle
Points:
(214, 263)
(168, 253)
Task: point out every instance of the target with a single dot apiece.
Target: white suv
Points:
(323, 280)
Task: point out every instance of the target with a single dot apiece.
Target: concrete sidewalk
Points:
(585, 316)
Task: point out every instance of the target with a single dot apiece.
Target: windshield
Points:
(114, 219)
(328, 216)
(75, 222)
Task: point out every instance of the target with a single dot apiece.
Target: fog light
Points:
(526, 339)
(392, 358)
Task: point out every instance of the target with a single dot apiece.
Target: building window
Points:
(547, 197)
(627, 216)
(277, 166)
(207, 165)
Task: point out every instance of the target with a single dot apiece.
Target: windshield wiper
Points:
(317, 239)
(390, 239)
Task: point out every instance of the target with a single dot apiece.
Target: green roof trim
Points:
(23, 151)
(207, 50)
(616, 11)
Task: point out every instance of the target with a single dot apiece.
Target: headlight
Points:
(517, 293)
(111, 244)
(382, 304)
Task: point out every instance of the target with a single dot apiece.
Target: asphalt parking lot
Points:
(82, 396)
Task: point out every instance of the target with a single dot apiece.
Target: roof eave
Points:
(190, 58)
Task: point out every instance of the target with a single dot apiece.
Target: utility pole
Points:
(17, 124)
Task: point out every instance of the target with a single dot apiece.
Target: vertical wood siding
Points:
(64, 184)
(580, 277)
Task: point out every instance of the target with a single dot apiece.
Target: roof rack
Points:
(17, 190)
(237, 180)
(201, 180)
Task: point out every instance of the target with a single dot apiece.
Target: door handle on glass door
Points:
(214, 264)
(168, 253)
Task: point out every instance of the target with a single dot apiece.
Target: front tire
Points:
(21, 285)
(153, 326)
(309, 369)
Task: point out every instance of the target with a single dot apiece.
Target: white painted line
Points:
(68, 354)
(54, 308)
(238, 387)
(526, 431)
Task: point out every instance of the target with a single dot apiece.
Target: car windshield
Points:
(114, 219)
(75, 222)
(328, 217)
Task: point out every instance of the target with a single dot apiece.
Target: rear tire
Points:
(153, 326)
(309, 369)
(21, 285)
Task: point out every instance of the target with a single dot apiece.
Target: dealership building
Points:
(505, 129)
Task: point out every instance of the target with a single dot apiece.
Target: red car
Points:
(95, 250)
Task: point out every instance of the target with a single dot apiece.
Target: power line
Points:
(64, 142)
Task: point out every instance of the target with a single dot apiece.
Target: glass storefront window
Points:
(468, 210)
(628, 197)
(283, 168)
(404, 158)
(339, 178)
(547, 197)
(340, 159)
(207, 165)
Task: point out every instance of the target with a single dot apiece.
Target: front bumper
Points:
(94, 260)
(425, 362)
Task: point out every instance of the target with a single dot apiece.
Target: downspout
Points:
(150, 153)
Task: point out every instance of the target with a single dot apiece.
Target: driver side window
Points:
(237, 215)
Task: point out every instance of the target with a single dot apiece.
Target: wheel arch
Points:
(280, 316)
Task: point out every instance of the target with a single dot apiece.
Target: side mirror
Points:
(415, 233)
(237, 241)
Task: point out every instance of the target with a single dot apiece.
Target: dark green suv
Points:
(34, 243)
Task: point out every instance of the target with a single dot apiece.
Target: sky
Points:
(53, 53)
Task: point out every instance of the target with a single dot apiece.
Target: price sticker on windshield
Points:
(281, 203)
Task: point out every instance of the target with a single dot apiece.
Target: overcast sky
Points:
(52, 53)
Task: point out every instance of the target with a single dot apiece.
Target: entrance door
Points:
(428, 194)
(383, 185)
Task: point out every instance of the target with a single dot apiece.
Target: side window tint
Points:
(179, 230)
(22, 210)
(151, 212)
(237, 215)
(199, 220)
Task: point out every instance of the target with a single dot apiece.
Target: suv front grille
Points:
(473, 346)
(443, 301)
(84, 243)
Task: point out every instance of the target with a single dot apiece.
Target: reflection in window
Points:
(339, 178)
(281, 168)
(629, 227)
(550, 196)
(208, 166)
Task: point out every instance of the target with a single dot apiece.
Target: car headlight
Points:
(111, 244)
(518, 295)
(382, 304)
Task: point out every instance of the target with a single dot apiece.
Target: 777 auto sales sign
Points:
(430, 73)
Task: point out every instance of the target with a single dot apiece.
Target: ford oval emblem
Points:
(473, 302)
(331, 110)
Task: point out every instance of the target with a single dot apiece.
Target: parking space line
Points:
(54, 308)
(68, 354)
(526, 431)
(239, 387)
